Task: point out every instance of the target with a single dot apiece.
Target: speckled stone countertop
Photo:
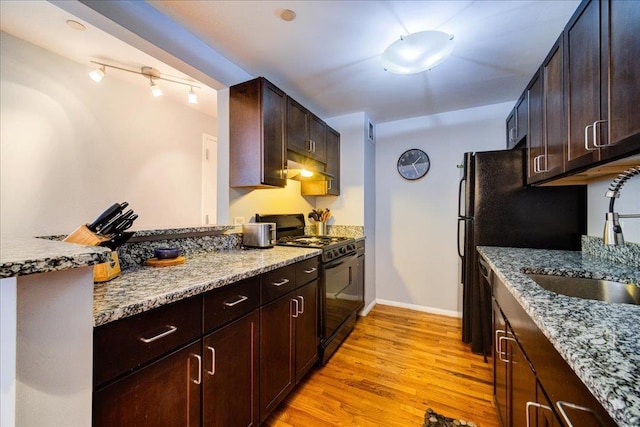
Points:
(22, 256)
(143, 288)
(600, 341)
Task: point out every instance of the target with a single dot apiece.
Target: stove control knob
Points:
(351, 247)
(343, 250)
(329, 255)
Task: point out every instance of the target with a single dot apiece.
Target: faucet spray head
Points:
(612, 230)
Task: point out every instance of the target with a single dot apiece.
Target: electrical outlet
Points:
(238, 220)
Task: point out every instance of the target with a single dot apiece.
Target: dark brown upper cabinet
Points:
(330, 187)
(518, 121)
(306, 133)
(257, 150)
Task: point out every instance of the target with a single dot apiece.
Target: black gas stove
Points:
(333, 247)
(290, 232)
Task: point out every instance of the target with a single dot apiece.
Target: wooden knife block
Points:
(101, 272)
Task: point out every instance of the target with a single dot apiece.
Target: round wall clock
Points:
(413, 164)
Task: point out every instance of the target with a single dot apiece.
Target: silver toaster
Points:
(259, 234)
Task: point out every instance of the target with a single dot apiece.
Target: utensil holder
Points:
(321, 228)
(101, 272)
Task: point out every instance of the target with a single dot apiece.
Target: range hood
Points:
(308, 171)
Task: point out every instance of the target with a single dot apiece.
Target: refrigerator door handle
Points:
(462, 181)
(463, 220)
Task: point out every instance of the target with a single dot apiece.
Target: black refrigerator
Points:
(497, 208)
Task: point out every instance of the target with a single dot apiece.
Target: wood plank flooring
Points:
(394, 365)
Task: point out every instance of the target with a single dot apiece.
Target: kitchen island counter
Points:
(600, 341)
(140, 289)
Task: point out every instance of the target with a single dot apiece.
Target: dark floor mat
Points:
(433, 419)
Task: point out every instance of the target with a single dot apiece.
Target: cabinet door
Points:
(583, 77)
(522, 383)
(535, 136)
(543, 412)
(500, 365)
(333, 161)
(230, 374)
(621, 56)
(297, 131)
(522, 117)
(318, 137)
(273, 128)
(165, 393)
(554, 137)
(277, 346)
(306, 328)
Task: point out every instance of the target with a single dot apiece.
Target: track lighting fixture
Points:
(152, 74)
(98, 74)
(193, 98)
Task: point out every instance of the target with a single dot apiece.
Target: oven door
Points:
(341, 294)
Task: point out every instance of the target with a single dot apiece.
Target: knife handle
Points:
(104, 216)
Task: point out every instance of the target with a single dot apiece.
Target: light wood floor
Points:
(394, 365)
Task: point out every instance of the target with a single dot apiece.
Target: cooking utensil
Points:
(125, 224)
(106, 216)
(117, 240)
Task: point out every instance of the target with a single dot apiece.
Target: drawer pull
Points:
(280, 283)
(536, 405)
(504, 352)
(238, 300)
(199, 380)
(311, 270)
(560, 404)
(212, 371)
(171, 330)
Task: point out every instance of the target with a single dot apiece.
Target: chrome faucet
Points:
(612, 229)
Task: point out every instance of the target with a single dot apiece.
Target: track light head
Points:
(193, 98)
(155, 89)
(98, 74)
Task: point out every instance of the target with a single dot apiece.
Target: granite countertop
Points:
(600, 341)
(143, 288)
(22, 256)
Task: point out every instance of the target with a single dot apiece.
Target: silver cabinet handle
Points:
(280, 283)
(199, 380)
(212, 371)
(311, 270)
(536, 405)
(295, 301)
(560, 404)
(499, 334)
(329, 184)
(595, 133)
(512, 134)
(536, 166)
(238, 300)
(171, 330)
(505, 353)
(301, 304)
(586, 138)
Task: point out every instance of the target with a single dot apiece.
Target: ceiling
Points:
(45, 25)
(329, 56)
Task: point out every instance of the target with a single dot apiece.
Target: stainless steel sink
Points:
(601, 290)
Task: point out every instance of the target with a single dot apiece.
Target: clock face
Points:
(413, 164)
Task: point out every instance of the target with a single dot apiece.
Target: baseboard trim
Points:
(368, 308)
(432, 310)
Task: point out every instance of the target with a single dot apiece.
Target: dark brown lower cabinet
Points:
(164, 393)
(230, 374)
(288, 344)
(533, 384)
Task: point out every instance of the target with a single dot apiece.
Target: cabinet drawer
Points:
(278, 282)
(125, 344)
(230, 302)
(306, 270)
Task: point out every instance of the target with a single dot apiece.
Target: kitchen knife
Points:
(117, 240)
(106, 216)
(110, 226)
(125, 224)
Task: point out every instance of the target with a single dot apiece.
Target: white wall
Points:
(246, 203)
(627, 203)
(416, 257)
(71, 147)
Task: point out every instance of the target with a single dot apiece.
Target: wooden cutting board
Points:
(155, 262)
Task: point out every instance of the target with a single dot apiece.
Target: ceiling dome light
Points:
(98, 74)
(287, 15)
(417, 52)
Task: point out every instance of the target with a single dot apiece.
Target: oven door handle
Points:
(340, 261)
